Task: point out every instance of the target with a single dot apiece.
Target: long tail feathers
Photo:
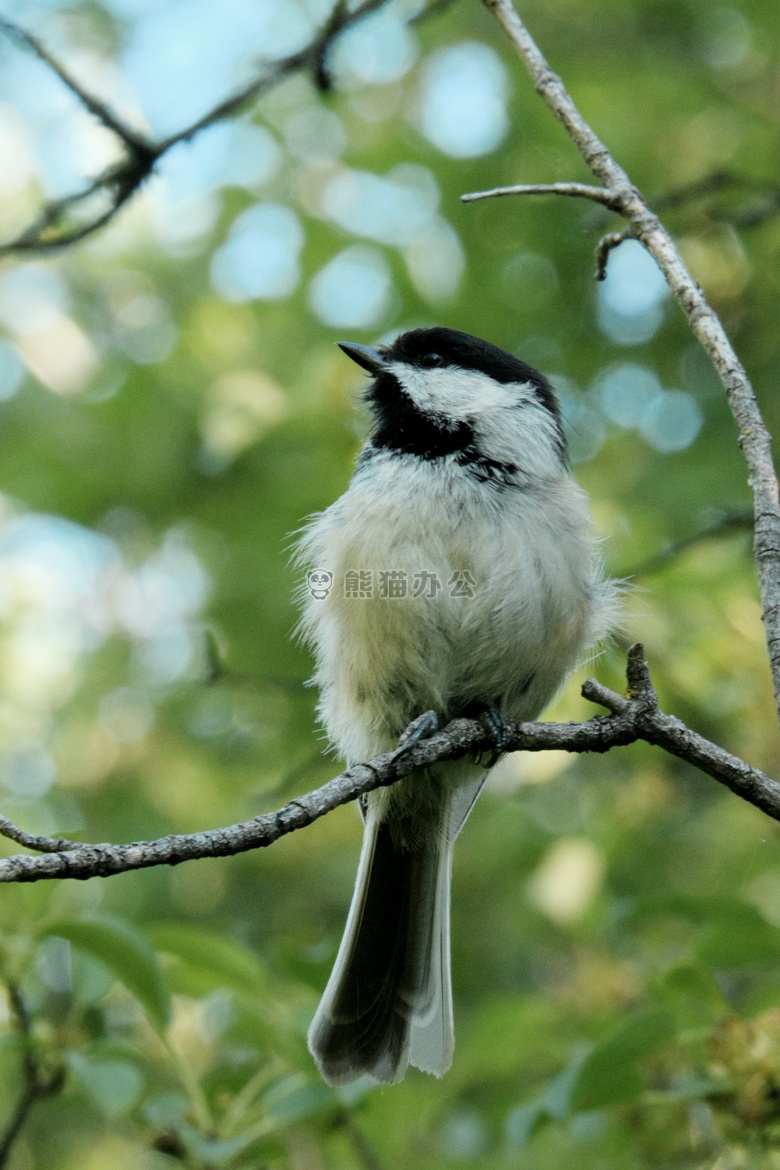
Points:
(388, 1002)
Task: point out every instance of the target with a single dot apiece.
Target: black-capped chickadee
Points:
(465, 580)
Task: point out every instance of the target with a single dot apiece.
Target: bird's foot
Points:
(497, 726)
(423, 727)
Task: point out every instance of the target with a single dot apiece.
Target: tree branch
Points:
(364, 1152)
(118, 182)
(645, 226)
(750, 214)
(30, 841)
(577, 190)
(35, 1083)
(607, 245)
(95, 106)
(724, 525)
(631, 718)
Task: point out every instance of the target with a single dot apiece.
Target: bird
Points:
(458, 575)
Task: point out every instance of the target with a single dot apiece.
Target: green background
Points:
(616, 920)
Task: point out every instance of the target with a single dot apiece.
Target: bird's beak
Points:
(370, 359)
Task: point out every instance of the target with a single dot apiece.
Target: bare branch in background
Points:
(365, 1154)
(764, 204)
(433, 9)
(576, 190)
(645, 226)
(724, 525)
(631, 718)
(35, 1082)
(102, 198)
(95, 106)
(606, 245)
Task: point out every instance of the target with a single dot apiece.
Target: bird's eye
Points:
(429, 360)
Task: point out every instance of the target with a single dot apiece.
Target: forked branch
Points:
(632, 717)
(70, 219)
(618, 192)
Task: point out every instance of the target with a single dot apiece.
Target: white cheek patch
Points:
(509, 422)
(460, 394)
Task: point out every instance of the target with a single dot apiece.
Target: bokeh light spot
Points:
(671, 421)
(463, 107)
(630, 299)
(259, 260)
(625, 392)
(352, 289)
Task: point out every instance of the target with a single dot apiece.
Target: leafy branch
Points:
(634, 716)
(100, 201)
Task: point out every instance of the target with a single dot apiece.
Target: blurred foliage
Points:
(616, 921)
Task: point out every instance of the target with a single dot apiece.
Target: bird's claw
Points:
(422, 727)
(498, 727)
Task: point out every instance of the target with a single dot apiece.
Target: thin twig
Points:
(122, 179)
(30, 841)
(724, 526)
(119, 181)
(637, 717)
(319, 68)
(95, 106)
(754, 438)
(366, 1155)
(710, 184)
(35, 1083)
(576, 190)
(606, 246)
(435, 8)
(748, 215)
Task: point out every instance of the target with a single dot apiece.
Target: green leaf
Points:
(126, 952)
(114, 1086)
(557, 1097)
(296, 1098)
(505, 1032)
(523, 1122)
(214, 1152)
(692, 994)
(608, 1075)
(738, 936)
(227, 962)
(165, 1109)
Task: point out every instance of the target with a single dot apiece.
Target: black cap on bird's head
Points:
(439, 347)
(437, 393)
